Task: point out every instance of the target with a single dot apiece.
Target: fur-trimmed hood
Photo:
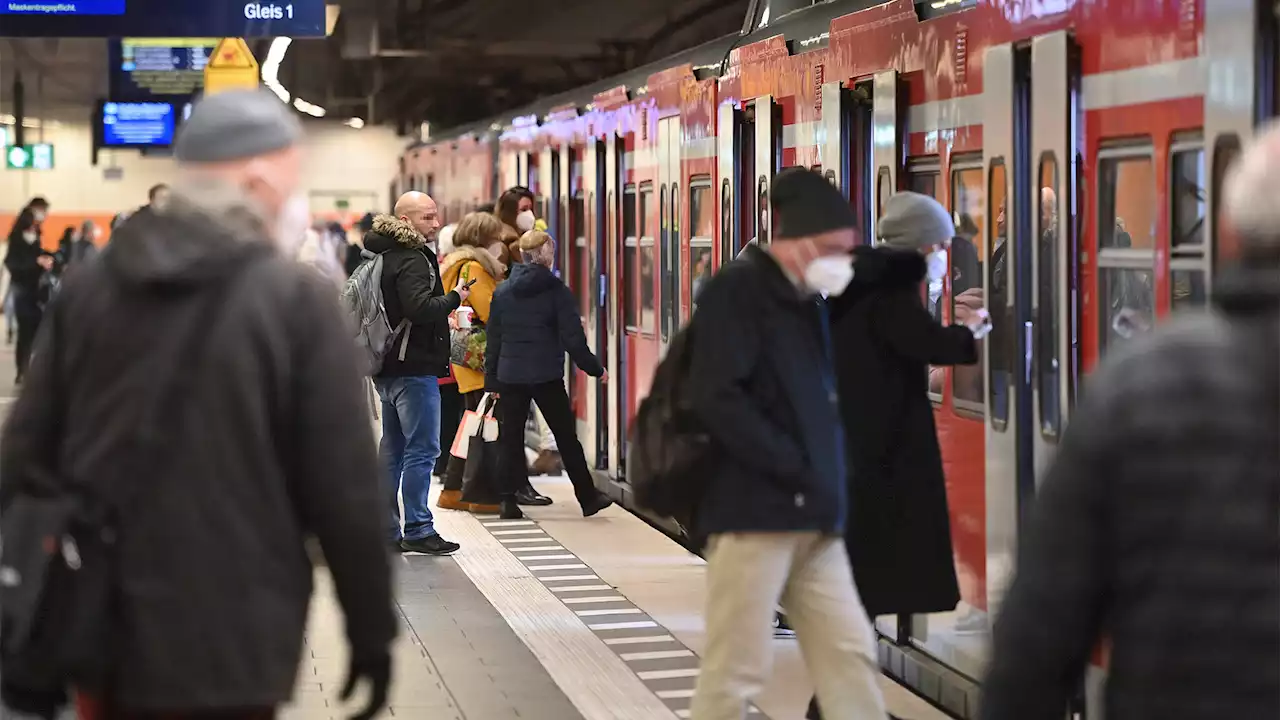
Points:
(389, 231)
(454, 261)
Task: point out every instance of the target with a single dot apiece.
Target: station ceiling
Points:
(449, 62)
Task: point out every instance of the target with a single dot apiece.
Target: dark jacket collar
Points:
(1248, 290)
(775, 279)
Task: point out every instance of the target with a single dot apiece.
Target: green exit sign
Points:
(29, 157)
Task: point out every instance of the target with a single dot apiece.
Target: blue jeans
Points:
(410, 446)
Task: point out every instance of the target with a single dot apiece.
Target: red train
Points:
(1093, 133)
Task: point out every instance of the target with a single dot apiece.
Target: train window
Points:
(1187, 198)
(1001, 342)
(648, 258)
(1126, 222)
(1189, 288)
(702, 238)
(1048, 369)
(884, 190)
(924, 181)
(578, 248)
(968, 250)
(630, 259)
(831, 178)
(726, 221)
(763, 229)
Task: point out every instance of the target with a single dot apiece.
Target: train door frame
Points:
(886, 141)
(1054, 137)
(607, 421)
(730, 125)
(670, 182)
(593, 183)
(574, 264)
(548, 184)
(768, 161)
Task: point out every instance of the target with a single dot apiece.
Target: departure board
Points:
(158, 68)
(78, 7)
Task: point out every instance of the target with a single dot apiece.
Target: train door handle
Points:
(1029, 332)
(604, 289)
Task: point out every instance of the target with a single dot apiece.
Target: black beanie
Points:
(805, 204)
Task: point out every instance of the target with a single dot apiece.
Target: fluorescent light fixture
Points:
(271, 67)
(303, 106)
(356, 123)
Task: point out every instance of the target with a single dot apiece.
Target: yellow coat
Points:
(470, 263)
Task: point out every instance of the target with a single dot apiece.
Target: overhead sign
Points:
(137, 124)
(231, 67)
(145, 69)
(29, 157)
(164, 18)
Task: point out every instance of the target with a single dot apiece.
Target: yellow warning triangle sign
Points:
(232, 53)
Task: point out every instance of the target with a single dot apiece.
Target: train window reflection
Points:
(1047, 355)
(923, 182)
(1188, 288)
(1001, 343)
(1126, 205)
(1127, 199)
(703, 224)
(884, 189)
(1187, 197)
(968, 250)
(630, 257)
(578, 251)
(762, 227)
(726, 221)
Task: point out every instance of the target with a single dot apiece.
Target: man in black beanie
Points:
(774, 509)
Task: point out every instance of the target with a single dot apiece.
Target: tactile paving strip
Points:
(664, 664)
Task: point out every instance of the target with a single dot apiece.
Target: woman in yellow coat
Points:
(477, 241)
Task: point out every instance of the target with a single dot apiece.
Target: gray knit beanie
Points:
(236, 125)
(913, 221)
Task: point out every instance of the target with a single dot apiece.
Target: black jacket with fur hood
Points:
(411, 288)
(898, 535)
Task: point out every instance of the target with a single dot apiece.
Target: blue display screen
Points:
(157, 69)
(140, 124)
(72, 7)
(162, 18)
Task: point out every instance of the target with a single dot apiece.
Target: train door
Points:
(886, 141)
(574, 270)
(607, 433)
(1032, 277)
(669, 172)
(548, 186)
(768, 161)
(592, 272)
(730, 127)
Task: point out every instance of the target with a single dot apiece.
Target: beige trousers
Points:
(747, 575)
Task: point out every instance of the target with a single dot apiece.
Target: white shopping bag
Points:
(475, 423)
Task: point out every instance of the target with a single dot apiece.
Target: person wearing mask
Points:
(27, 263)
(533, 322)
(899, 533)
(409, 382)
(515, 210)
(244, 404)
(763, 387)
(1157, 525)
(470, 261)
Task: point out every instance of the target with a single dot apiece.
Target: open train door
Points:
(593, 260)
(729, 128)
(886, 140)
(768, 161)
(611, 287)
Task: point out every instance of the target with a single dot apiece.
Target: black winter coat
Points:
(1157, 528)
(22, 262)
(533, 322)
(268, 444)
(762, 385)
(411, 288)
(899, 532)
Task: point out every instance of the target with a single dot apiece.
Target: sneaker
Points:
(595, 505)
(781, 629)
(430, 545)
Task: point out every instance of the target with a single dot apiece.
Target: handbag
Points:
(58, 559)
(480, 421)
(483, 459)
(467, 345)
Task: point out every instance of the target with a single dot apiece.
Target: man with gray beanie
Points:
(763, 387)
(1158, 523)
(201, 390)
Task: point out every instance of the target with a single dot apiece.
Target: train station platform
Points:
(555, 617)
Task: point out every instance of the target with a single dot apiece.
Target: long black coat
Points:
(899, 532)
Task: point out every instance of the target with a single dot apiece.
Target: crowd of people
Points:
(194, 411)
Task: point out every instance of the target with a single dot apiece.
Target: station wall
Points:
(343, 166)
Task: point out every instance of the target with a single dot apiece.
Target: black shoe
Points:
(396, 547)
(430, 545)
(510, 510)
(593, 506)
(529, 496)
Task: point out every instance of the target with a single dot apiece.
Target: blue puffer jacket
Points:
(533, 322)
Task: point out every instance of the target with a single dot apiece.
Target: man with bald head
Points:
(408, 384)
(1157, 525)
(198, 386)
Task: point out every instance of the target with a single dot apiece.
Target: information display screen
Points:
(162, 18)
(73, 7)
(145, 69)
(137, 124)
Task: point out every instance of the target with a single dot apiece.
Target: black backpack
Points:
(671, 454)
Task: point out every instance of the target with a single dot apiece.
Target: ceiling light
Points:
(303, 106)
(271, 67)
(356, 123)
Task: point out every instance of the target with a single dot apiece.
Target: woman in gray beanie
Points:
(899, 533)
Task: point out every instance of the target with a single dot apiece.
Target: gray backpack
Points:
(362, 299)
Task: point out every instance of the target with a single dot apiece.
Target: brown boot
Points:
(484, 509)
(547, 463)
(452, 500)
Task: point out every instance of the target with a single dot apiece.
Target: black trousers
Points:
(553, 401)
(28, 315)
(451, 405)
(453, 473)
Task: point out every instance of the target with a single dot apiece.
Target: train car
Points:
(1080, 144)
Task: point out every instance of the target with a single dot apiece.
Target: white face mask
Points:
(39, 215)
(829, 275)
(30, 236)
(525, 221)
(293, 223)
(937, 266)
